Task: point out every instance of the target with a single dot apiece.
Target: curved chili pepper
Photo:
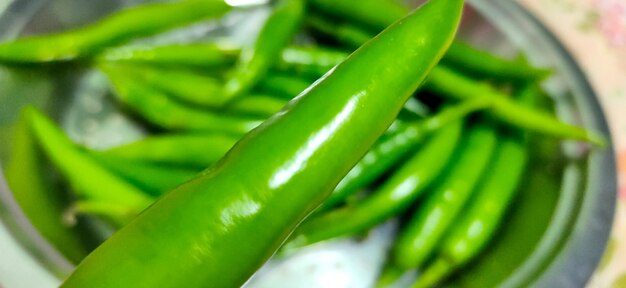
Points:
(159, 109)
(378, 14)
(194, 88)
(426, 227)
(188, 86)
(194, 55)
(504, 108)
(393, 197)
(187, 150)
(346, 34)
(486, 209)
(391, 148)
(276, 33)
(257, 105)
(479, 63)
(282, 85)
(142, 20)
(90, 180)
(39, 198)
(206, 223)
(151, 178)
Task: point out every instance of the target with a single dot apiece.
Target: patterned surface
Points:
(595, 33)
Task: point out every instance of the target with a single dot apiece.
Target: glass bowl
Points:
(552, 237)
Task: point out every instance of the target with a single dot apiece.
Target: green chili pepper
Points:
(426, 227)
(38, 197)
(275, 35)
(346, 34)
(185, 85)
(483, 64)
(395, 195)
(187, 150)
(485, 211)
(257, 105)
(157, 108)
(151, 178)
(115, 214)
(375, 14)
(310, 61)
(282, 85)
(127, 24)
(89, 180)
(449, 83)
(378, 14)
(194, 55)
(194, 88)
(389, 150)
(277, 174)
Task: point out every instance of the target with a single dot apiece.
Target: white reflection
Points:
(246, 2)
(241, 208)
(294, 165)
(406, 187)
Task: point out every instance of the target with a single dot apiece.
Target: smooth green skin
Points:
(348, 35)
(40, 199)
(151, 178)
(310, 61)
(378, 14)
(277, 174)
(257, 105)
(135, 22)
(486, 210)
(389, 150)
(284, 86)
(484, 64)
(505, 109)
(276, 33)
(422, 234)
(375, 14)
(161, 110)
(89, 179)
(182, 84)
(480, 220)
(189, 150)
(402, 188)
(204, 90)
(196, 55)
(115, 214)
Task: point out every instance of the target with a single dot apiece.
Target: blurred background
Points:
(594, 32)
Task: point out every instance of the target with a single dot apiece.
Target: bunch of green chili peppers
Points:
(281, 144)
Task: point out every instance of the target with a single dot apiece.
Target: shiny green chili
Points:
(159, 109)
(197, 89)
(277, 174)
(142, 20)
(390, 149)
(375, 15)
(450, 83)
(187, 150)
(89, 180)
(154, 179)
(392, 198)
(486, 209)
(276, 33)
(420, 236)
(34, 191)
(193, 55)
